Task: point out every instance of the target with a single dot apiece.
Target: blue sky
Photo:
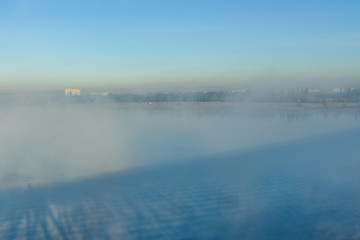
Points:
(98, 43)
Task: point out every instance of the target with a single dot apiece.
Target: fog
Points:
(177, 171)
(52, 143)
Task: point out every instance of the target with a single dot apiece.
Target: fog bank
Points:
(52, 143)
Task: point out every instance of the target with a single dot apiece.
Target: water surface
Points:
(115, 172)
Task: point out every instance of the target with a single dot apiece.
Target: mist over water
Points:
(179, 120)
(47, 144)
(178, 171)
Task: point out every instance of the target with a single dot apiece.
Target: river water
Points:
(111, 171)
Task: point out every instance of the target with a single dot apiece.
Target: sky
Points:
(96, 43)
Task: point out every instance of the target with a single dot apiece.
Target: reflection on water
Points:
(209, 172)
(304, 189)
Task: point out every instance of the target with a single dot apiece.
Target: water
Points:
(178, 172)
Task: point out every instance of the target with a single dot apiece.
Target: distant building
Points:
(314, 90)
(338, 90)
(72, 92)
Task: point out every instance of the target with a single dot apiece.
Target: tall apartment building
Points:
(72, 92)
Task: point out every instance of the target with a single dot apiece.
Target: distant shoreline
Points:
(256, 105)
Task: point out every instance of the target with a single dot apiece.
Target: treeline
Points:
(305, 95)
(301, 95)
(200, 96)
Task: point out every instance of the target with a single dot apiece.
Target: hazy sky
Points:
(114, 43)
